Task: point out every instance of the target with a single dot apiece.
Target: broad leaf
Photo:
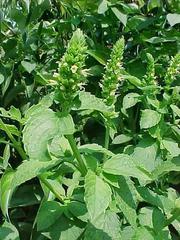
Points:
(122, 138)
(48, 214)
(89, 101)
(6, 190)
(149, 118)
(172, 147)
(64, 229)
(42, 127)
(145, 154)
(130, 100)
(94, 148)
(125, 201)
(173, 18)
(8, 232)
(97, 195)
(123, 164)
(105, 227)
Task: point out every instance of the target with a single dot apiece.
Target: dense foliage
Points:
(89, 120)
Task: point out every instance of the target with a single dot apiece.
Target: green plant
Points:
(119, 191)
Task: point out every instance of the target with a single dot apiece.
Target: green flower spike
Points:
(71, 74)
(150, 73)
(172, 70)
(113, 73)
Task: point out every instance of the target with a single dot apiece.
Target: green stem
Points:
(77, 154)
(50, 187)
(16, 144)
(106, 142)
(172, 218)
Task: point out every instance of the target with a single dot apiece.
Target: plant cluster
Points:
(89, 125)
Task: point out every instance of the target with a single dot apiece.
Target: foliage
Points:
(90, 114)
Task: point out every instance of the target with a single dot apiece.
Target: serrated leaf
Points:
(105, 227)
(42, 127)
(97, 195)
(149, 118)
(123, 164)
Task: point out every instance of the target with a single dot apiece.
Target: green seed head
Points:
(172, 70)
(71, 67)
(113, 72)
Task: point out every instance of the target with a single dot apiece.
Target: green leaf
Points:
(122, 138)
(175, 109)
(145, 154)
(149, 118)
(29, 67)
(98, 55)
(64, 229)
(94, 148)
(122, 164)
(48, 214)
(133, 80)
(121, 16)
(161, 201)
(79, 210)
(30, 169)
(173, 18)
(42, 127)
(125, 200)
(90, 102)
(6, 191)
(172, 147)
(103, 7)
(12, 179)
(166, 166)
(153, 4)
(130, 100)
(105, 227)
(142, 232)
(6, 156)
(97, 195)
(8, 232)
(158, 219)
(1, 78)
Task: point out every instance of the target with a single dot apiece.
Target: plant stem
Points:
(106, 142)
(16, 144)
(172, 218)
(77, 154)
(50, 187)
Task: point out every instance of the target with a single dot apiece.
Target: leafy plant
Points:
(89, 126)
